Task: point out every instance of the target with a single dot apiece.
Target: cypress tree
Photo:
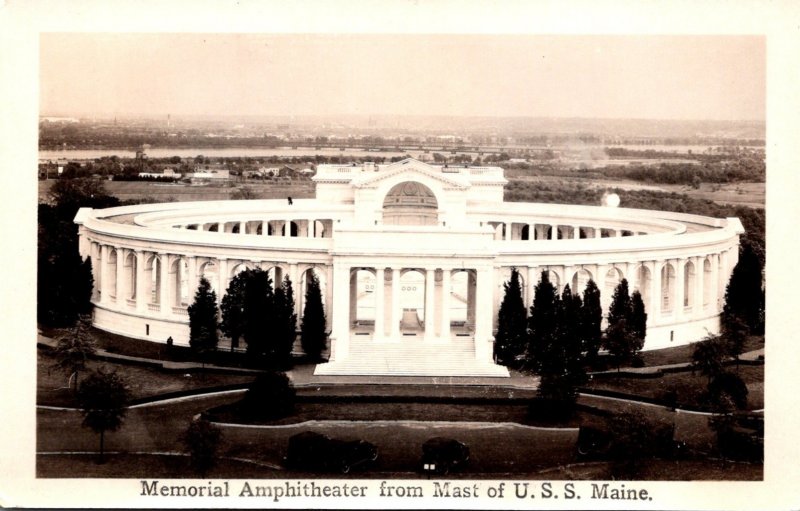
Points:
(511, 336)
(541, 324)
(591, 330)
(619, 339)
(638, 321)
(232, 308)
(285, 322)
(743, 293)
(203, 319)
(259, 317)
(312, 328)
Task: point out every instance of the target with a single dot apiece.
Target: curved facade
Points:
(411, 258)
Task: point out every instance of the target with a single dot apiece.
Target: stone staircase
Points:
(411, 356)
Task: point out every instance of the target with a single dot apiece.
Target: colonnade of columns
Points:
(673, 290)
(510, 231)
(389, 311)
(163, 284)
(289, 227)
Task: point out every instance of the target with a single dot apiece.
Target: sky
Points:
(652, 77)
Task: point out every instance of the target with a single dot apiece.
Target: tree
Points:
(103, 398)
(541, 324)
(734, 336)
(259, 317)
(232, 307)
(285, 322)
(270, 396)
(512, 319)
(74, 349)
(635, 439)
(708, 356)
(726, 386)
(743, 293)
(312, 327)
(591, 320)
(202, 439)
(203, 319)
(626, 325)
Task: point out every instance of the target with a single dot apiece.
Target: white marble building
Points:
(412, 259)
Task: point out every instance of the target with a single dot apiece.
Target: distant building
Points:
(210, 174)
(165, 173)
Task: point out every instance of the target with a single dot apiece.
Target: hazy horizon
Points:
(669, 78)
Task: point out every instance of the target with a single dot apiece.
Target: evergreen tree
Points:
(285, 322)
(541, 324)
(259, 317)
(232, 308)
(734, 336)
(627, 324)
(638, 319)
(591, 321)
(203, 319)
(512, 330)
(743, 293)
(709, 356)
(312, 327)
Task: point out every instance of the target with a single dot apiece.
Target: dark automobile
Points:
(442, 455)
(320, 453)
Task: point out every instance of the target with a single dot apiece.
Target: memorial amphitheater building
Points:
(411, 258)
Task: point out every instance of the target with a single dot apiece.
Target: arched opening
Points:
(293, 230)
(643, 282)
(462, 302)
(412, 301)
(524, 233)
(688, 284)
(154, 281)
(612, 280)
(362, 301)
(130, 273)
(410, 203)
(579, 280)
(667, 287)
(706, 282)
(179, 273)
(210, 272)
(111, 271)
(276, 275)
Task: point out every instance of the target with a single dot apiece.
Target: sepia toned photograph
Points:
(314, 268)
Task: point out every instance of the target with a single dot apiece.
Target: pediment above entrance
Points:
(415, 170)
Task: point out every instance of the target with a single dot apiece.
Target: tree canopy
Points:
(103, 398)
(203, 319)
(512, 329)
(312, 327)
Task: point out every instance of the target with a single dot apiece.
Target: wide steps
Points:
(411, 356)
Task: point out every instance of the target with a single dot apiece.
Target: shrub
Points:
(728, 385)
(270, 396)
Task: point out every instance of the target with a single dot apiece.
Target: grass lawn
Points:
(143, 381)
(663, 470)
(681, 354)
(688, 387)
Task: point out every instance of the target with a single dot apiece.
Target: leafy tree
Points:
(203, 320)
(512, 319)
(727, 386)
(708, 356)
(591, 320)
(75, 347)
(743, 293)
(734, 336)
(312, 327)
(542, 323)
(202, 440)
(285, 322)
(103, 398)
(270, 396)
(232, 307)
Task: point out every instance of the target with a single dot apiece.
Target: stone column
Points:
(699, 275)
(630, 275)
(340, 338)
(531, 279)
(121, 288)
(576, 232)
(141, 296)
(445, 316)
(598, 232)
(471, 283)
(680, 291)
(554, 232)
(287, 228)
(310, 228)
(508, 227)
(163, 269)
(396, 310)
(193, 281)
(104, 287)
(483, 319)
(222, 277)
(353, 294)
(328, 305)
(379, 305)
(430, 287)
(713, 297)
(295, 278)
(658, 300)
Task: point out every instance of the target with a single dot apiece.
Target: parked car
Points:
(316, 452)
(443, 455)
